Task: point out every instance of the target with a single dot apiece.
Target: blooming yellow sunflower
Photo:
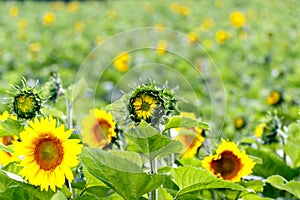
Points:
(237, 19)
(229, 163)
(191, 138)
(98, 128)
(48, 153)
(14, 11)
(193, 37)
(121, 62)
(6, 157)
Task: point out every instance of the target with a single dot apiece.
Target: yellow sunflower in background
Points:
(229, 163)
(237, 19)
(161, 47)
(193, 38)
(122, 61)
(48, 18)
(222, 36)
(191, 138)
(274, 98)
(48, 153)
(98, 128)
(6, 157)
(239, 123)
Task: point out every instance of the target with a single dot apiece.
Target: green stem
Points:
(153, 169)
(69, 123)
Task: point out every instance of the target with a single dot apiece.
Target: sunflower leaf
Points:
(271, 165)
(148, 141)
(282, 184)
(11, 127)
(187, 122)
(12, 189)
(190, 179)
(123, 176)
(292, 147)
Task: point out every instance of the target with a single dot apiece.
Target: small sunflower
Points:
(239, 123)
(48, 153)
(48, 18)
(122, 61)
(193, 38)
(222, 36)
(98, 128)
(229, 163)
(275, 98)
(237, 19)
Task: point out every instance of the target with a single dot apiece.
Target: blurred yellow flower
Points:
(14, 11)
(193, 38)
(222, 36)
(73, 6)
(22, 23)
(259, 130)
(34, 47)
(159, 26)
(191, 138)
(243, 35)
(207, 24)
(98, 129)
(112, 14)
(79, 26)
(161, 47)
(182, 10)
(239, 123)
(274, 98)
(229, 163)
(237, 19)
(6, 157)
(48, 18)
(122, 61)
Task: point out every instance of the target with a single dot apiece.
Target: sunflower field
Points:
(158, 100)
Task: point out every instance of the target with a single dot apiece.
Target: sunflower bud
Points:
(26, 102)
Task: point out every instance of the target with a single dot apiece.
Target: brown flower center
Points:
(101, 130)
(48, 152)
(227, 166)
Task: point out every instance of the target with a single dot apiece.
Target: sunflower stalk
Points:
(69, 122)
(153, 169)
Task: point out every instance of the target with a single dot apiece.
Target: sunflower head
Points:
(99, 129)
(150, 103)
(26, 102)
(240, 123)
(237, 19)
(275, 98)
(48, 154)
(229, 163)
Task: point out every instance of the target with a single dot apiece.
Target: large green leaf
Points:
(12, 189)
(282, 184)
(123, 176)
(292, 147)
(190, 179)
(180, 121)
(271, 165)
(11, 127)
(149, 142)
(163, 194)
